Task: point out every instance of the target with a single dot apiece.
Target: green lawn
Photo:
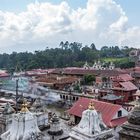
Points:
(114, 59)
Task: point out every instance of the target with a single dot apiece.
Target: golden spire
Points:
(24, 106)
(91, 105)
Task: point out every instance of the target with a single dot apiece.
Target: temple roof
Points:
(128, 86)
(107, 110)
(81, 71)
(91, 126)
(126, 77)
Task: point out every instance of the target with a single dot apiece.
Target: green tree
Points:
(93, 47)
(89, 79)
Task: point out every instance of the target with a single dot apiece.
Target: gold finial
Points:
(91, 105)
(24, 106)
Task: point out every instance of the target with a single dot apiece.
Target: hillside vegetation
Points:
(68, 54)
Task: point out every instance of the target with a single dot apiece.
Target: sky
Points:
(29, 25)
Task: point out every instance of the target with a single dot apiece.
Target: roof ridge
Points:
(105, 102)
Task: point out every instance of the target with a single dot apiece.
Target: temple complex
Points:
(91, 126)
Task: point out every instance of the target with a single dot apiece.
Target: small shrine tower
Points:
(91, 127)
(23, 127)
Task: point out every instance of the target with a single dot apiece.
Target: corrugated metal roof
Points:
(107, 110)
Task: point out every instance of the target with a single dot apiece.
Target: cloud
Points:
(103, 22)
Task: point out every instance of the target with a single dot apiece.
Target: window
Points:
(119, 113)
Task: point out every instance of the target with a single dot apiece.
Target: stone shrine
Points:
(23, 127)
(6, 117)
(91, 127)
(131, 129)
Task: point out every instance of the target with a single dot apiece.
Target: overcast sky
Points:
(28, 25)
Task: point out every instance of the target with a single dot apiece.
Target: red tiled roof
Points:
(118, 121)
(128, 86)
(4, 75)
(81, 71)
(107, 110)
(126, 77)
(131, 70)
(54, 80)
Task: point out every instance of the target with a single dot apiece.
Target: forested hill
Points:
(68, 54)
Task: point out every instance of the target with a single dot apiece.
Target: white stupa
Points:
(91, 127)
(23, 127)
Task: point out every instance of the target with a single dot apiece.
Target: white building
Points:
(99, 66)
(91, 127)
(24, 126)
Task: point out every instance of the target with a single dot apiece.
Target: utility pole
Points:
(16, 95)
